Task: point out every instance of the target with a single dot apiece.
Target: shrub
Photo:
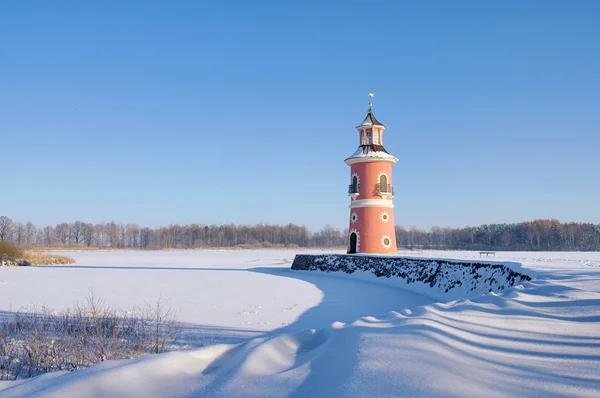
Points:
(43, 341)
(8, 250)
(14, 255)
(46, 259)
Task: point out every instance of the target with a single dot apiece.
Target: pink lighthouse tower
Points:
(371, 208)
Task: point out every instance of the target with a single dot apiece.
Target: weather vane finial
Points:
(371, 95)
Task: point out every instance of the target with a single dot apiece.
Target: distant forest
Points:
(542, 235)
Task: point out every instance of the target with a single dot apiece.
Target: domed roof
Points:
(370, 120)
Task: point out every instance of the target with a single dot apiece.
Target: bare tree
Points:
(88, 234)
(112, 231)
(132, 232)
(163, 321)
(63, 233)
(30, 233)
(77, 232)
(122, 237)
(48, 235)
(99, 230)
(19, 233)
(330, 237)
(5, 227)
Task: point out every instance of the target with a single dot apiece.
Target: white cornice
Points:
(371, 203)
(368, 126)
(365, 159)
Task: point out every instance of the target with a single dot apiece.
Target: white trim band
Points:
(371, 203)
(351, 161)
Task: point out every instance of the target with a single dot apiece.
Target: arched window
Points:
(354, 184)
(383, 183)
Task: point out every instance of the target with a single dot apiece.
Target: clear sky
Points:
(243, 111)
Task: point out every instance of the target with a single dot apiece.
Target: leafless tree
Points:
(163, 325)
(19, 233)
(30, 233)
(5, 227)
(112, 231)
(48, 235)
(122, 237)
(77, 232)
(88, 234)
(63, 233)
(99, 230)
(132, 232)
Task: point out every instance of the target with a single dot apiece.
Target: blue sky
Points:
(243, 111)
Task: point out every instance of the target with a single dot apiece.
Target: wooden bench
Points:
(487, 254)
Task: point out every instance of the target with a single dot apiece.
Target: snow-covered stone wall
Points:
(438, 278)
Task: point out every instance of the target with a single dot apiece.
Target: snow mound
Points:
(438, 278)
(533, 343)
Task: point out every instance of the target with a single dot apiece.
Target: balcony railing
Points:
(384, 189)
(353, 189)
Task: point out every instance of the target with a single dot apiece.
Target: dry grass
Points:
(36, 258)
(11, 255)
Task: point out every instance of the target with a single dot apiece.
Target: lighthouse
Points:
(371, 191)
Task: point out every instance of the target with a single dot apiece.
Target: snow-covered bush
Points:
(40, 341)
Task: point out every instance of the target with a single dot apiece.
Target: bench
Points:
(487, 254)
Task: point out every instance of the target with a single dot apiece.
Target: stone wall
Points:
(448, 279)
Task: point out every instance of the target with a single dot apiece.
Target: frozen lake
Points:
(294, 333)
(236, 293)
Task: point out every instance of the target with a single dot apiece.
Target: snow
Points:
(233, 294)
(440, 279)
(360, 153)
(310, 333)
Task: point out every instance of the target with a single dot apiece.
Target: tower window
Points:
(386, 242)
(385, 217)
(383, 183)
(353, 188)
(376, 138)
(369, 138)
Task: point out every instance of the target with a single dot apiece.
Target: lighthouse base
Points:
(441, 279)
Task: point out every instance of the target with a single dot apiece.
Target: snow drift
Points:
(333, 334)
(438, 278)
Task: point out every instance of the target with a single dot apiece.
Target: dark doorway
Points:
(353, 239)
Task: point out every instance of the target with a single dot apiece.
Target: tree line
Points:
(540, 235)
(132, 236)
(537, 235)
